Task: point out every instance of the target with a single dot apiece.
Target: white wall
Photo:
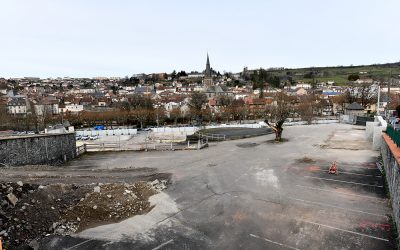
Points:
(108, 132)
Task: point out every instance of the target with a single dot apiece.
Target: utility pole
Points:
(388, 93)
(157, 117)
(379, 99)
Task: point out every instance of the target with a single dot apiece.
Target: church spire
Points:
(208, 81)
(208, 67)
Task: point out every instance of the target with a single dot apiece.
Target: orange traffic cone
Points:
(1, 244)
(333, 168)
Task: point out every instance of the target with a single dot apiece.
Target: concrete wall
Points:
(108, 132)
(37, 149)
(373, 131)
(392, 172)
(176, 131)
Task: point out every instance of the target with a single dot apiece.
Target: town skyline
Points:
(202, 71)
(99, 38)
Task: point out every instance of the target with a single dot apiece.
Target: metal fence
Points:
(81, 150)
(211, 137)
(393, 134)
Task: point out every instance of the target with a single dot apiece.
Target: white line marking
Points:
(367, 175)
(274, 242)
(163, 244)
(349, 182)
(338, 192)
(79, 244)
(346, 166)
(344, 230)
(343, 208)
(344, 172)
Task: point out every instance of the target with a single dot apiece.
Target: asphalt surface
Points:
(237, 133)
(253, 194)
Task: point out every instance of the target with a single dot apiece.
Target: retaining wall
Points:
(391, 157)
(37, 149)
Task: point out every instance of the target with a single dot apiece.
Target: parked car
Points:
(85, 138)
(93, 137)
(78, 137)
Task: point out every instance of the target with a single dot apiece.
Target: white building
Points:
(74, 108)
(17, 106)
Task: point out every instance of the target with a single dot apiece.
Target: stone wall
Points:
(37, 149)
(391, 157)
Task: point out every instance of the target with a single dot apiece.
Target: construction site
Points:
(320, 188)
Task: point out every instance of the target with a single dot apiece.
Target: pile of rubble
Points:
(29, 212)
(110, 203)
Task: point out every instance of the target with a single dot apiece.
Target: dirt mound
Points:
(34, 209)
(112, 203)
(29, 212)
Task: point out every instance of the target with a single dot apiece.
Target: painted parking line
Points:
(370, 168)
(350, 173)
(79, 244)
(338, 207)
(163, 244)
(274, 242)
(344, 230)
(366, 175)
(338, 192)
(348, 182)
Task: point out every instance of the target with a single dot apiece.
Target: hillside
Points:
(339, 74)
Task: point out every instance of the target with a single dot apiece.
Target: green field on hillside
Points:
(340, 74)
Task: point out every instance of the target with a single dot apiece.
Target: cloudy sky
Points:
(50, 38)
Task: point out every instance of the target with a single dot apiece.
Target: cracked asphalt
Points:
(253, 194)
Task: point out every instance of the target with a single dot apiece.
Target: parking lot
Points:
(254, 194)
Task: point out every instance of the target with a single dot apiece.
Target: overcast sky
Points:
(50, 38)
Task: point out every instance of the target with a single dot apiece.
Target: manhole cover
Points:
(247, 145)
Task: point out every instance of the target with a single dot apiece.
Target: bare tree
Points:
(238, 110)
(196, 103)
(197, 100)
(5, 118)
(225, 105)
(175, 114)
(364, 93)
(309, 106)
(341, 100)
(224, 100)
(278, 112)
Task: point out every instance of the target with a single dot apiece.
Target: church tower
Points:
(208, 81)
